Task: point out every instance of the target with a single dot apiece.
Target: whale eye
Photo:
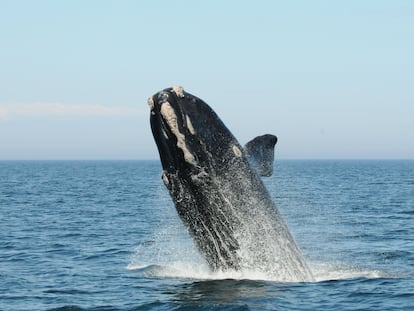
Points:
(199, 175)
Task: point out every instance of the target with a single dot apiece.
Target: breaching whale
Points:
(260, 152)
(219, 197)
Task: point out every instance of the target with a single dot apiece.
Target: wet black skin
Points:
(216, 192)
(200, 189)
(261, 152)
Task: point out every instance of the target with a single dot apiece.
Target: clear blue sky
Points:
(332, 79)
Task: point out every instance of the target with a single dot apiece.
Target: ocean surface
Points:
(104, 235)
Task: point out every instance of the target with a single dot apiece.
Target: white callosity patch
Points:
(165, 178)
(151, 103)
(178, 90)
(171, 118)
(189, 125)
(237, 151)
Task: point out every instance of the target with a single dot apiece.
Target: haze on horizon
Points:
(332, 79)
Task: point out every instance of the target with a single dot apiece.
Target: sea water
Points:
(104, 235)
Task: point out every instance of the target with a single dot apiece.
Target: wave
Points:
(338, 271)
(158, 305)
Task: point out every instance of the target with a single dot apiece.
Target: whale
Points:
(260, 152)
(219, 197)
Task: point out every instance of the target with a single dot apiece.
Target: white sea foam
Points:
(172, 254)
(339, 271)
(192, 270)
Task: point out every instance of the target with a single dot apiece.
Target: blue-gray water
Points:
(104, 235)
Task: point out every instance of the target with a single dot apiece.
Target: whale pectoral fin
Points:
(260, 152)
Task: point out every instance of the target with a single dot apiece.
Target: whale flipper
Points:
(260, 152)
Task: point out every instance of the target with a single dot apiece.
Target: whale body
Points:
(217, 194)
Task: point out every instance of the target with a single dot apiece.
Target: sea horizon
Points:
(153, 159)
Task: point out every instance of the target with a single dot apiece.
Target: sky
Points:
(332, 79)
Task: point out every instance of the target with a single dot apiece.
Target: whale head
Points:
(189, 135)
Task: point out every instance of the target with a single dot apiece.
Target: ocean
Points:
(104, 235)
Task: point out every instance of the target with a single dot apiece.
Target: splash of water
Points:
(171, 253)
(265, 248)
(191, 270)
